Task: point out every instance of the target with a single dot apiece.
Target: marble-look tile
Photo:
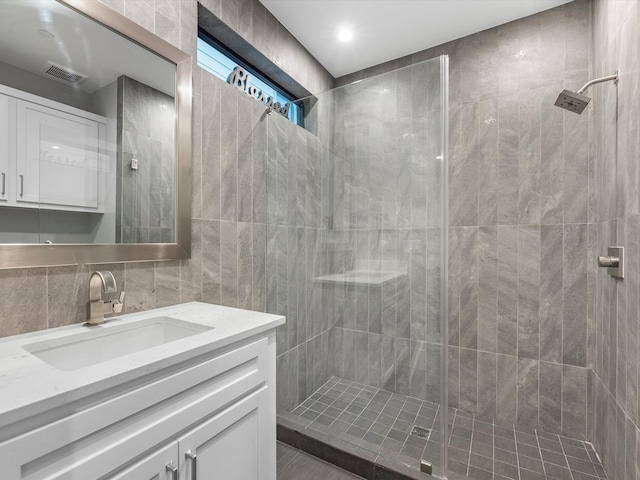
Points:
(528, 292)
(245, 265)
(528, 396)
(468, 379)
(508, 179)
(487, 381)
(550, 397)
(229, 263)
(245, 159)
(167, 283)
(574, 401)
(67, 295)
(211, 261)
(507, 388)
(574, 291)
(469, 288)
(229, 153)
(551, 298)
(140, 281)
(529, 161)
(507, 290)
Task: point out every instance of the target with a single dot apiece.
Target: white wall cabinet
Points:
(4, 148)
(214, 418)
(54, 154)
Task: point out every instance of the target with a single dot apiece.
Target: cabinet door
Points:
(233, 445)
(160, 465)
(4, 148)
(57, 158)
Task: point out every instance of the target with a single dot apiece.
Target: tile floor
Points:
(391, 424)
(385, 423)
(296, 465)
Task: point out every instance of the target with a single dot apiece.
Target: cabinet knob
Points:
(173, 470)
(193, 459)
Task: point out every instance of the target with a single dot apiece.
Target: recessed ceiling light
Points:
(345, 35)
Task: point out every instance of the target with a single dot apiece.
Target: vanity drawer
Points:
(119, 431)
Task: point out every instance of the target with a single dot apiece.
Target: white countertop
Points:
(29, 386)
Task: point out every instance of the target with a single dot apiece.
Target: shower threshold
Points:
(375, 433)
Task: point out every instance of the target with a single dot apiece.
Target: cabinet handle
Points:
(194, 462)
(3, 183)
(173, 470)
(21, 185)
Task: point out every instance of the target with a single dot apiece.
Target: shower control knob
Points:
(613, 262)
(604, 261)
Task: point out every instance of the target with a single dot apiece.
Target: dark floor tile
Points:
(481, 462)
(458, 455)
(575, 464)
(557, 472)
(307, 467)
(285, 454)
(479, 474)
(527, 438)
(505, 456)
(528, 450)
(532, 464)
(576, 452)
(374, 438)
(529, 475)
(484, 449)
(505, 469)
(554, 457)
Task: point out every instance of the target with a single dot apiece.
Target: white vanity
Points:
(179, 393)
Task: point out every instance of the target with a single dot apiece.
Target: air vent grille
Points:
(63, 74)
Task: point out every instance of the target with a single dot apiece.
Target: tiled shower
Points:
(527, 318)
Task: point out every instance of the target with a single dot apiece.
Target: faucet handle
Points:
(118, 304)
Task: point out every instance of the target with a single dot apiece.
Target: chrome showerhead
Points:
(572, 101)
(576, 102)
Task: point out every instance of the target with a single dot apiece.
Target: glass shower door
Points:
(356, 260)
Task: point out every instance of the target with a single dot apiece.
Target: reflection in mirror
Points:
(87, 131)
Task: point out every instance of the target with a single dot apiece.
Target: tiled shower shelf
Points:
(378, 434)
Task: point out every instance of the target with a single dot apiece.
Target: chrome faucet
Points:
(97, 308)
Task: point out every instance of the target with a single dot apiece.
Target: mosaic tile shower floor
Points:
(404, 427)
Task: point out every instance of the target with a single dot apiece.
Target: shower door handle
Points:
(4, 181)
(21, 186)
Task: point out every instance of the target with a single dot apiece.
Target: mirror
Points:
(95, 137)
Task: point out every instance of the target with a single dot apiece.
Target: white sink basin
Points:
(103, 343)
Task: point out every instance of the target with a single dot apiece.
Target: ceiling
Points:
(384, 30)
(77, 43)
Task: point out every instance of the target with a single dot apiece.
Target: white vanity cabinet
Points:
(210, 415)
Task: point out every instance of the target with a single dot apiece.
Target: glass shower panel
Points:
(356, 261)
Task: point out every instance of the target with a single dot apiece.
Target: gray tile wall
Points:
(616, 315)
(145, 207)
(521, 199)
(229, 188)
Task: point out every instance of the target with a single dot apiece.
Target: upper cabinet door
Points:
(57, 158)
(231, 445)
(4, 148)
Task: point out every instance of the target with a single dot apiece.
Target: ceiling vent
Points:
(62, 74)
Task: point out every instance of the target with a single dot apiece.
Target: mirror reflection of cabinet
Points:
(57, 159)
(4, 148)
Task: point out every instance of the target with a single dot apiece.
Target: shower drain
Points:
(421, 432)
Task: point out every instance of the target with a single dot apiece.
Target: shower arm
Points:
(608, 78)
